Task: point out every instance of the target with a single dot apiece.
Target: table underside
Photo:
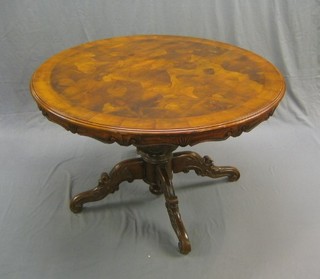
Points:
(156, 166)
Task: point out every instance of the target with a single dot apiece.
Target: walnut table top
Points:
(157, 90)
(157, 93)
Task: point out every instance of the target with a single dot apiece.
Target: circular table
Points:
(157, 93)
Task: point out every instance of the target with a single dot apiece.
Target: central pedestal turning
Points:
(155, 167)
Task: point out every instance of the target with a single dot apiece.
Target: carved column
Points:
(159, 177)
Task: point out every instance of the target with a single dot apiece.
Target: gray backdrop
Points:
(266, 225)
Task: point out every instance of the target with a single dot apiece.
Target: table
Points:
(157, 92)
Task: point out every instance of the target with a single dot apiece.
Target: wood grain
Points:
(157, 90)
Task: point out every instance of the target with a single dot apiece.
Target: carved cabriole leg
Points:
(159, 177)
(164, 178)
(128, 170)
(186, 161)
(155, 167)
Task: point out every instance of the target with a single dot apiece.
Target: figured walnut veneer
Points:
(157, 93)
(157, 90)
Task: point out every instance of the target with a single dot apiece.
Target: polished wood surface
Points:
(157, 90)
(156, 167)
(158, 93)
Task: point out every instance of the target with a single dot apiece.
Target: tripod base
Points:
(156, 167)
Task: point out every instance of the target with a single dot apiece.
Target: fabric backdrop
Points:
(266, 225)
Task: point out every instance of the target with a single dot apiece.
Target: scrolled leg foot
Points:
(184, 247)
(104, 187)
(124, 171)
(165, 181)
(76, 206)
(204, 166)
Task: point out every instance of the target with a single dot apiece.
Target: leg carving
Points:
(156, 167)
(128, 170)
(186, 161)
(164, 178)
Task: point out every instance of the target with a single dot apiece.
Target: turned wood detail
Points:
(156, 167)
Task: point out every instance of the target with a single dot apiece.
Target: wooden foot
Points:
(186, 161)
(164, 178)
(128, 170)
